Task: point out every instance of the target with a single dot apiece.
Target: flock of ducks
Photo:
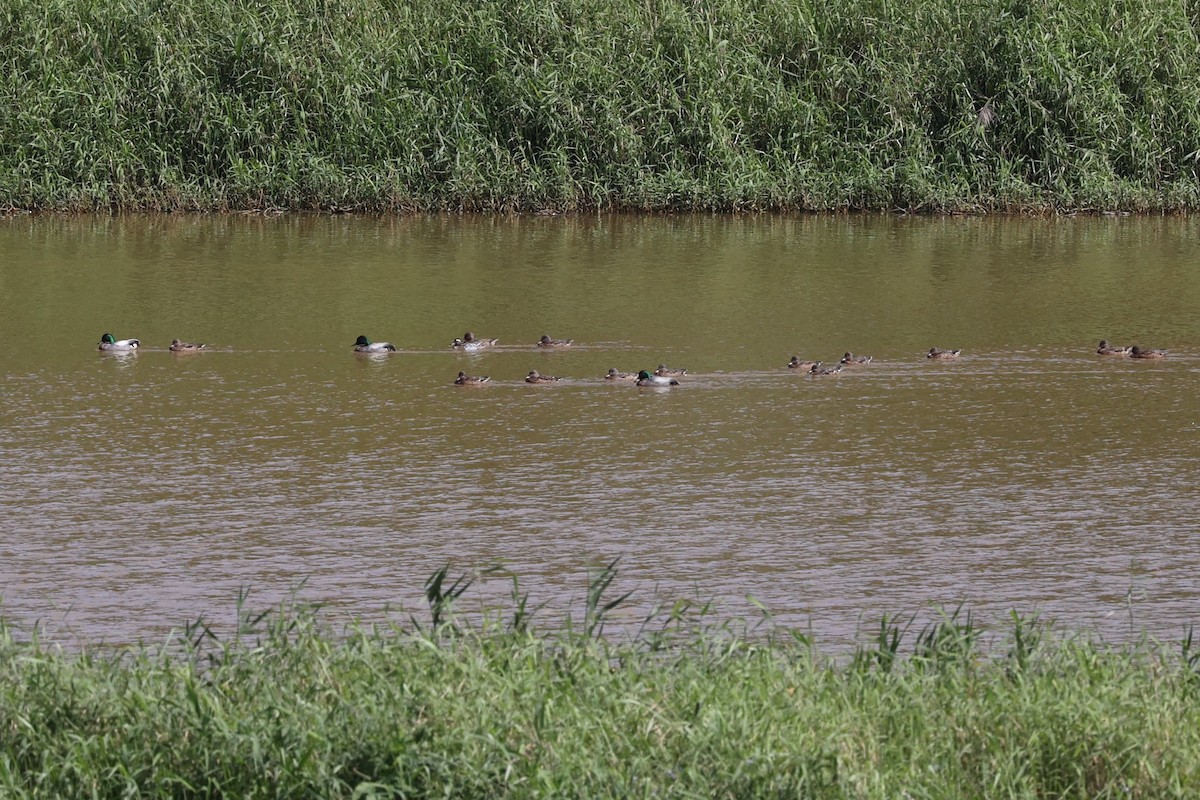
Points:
(113, 345)
(851, 360)
(663, 376)
(1106, 349)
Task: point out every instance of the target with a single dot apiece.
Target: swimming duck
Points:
(796, 363)
(464, 379)
(364, 345)
(613, 375)
(547, 342)
(851, 360)
(1137, 352)
(534, 377)
(186, 347)
(944, 355)
(107, 342)
(664, 371)
(1105, 349)
(644, 378)
(471, 344)
(817, 369)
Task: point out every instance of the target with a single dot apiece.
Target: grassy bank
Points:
(599, 104)
(285, 709)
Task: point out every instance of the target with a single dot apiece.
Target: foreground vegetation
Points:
(494, 709)
(599, 104)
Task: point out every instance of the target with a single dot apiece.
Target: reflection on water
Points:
(141, 490)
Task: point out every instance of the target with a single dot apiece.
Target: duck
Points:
(535, 377)
(1137, 352)
(664, 371)
(644, 378)
(614, 375)
(943, 355)
(108, 342)
(817, 369)
(1106, 349)
(364, 345)
(186, 347)
(470, 343)
(464, 379)
(549, 343)
(851, 360)
(796, 363)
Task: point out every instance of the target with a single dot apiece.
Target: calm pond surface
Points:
(140, 492)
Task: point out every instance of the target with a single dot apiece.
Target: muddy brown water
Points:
(138, 492)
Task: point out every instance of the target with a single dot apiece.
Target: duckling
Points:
(1105, 349)
(107, 342)
(464, 379)
(613, 375)
(547, 342)
(796, 363)
(471, 344)
(186, 347)
(943, 355)
(851, 360)
(817, 369)
(644, 378)
(364, 345)
(1137, 352)
(534, 377)
(664, 371)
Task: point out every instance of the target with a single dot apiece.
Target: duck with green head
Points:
(364, 345)
(655, 380)
(111, 344)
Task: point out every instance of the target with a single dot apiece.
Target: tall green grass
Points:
(494, 708)
(599, 104)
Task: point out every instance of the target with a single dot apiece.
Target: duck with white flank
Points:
(113, 345)
(364, 345)
(661, 381)
(471, 343)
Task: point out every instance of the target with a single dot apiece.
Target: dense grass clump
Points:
(599, 104)
(497, 710)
